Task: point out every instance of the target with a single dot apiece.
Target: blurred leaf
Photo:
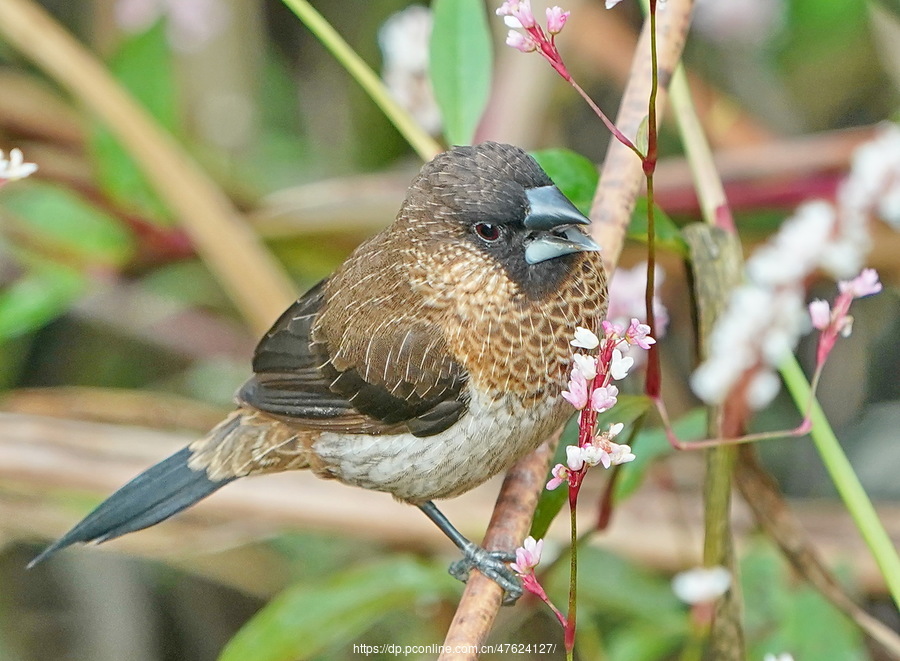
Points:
(608, 583)
(305, 620)
(575, 175)
(65, 223)
(651, 641)
(790, 617)
(280, 156)
(44, 292)
(668, 236)
(551, 502)
(626, 411)
(460, 65)
(143, 66)
(652, 444)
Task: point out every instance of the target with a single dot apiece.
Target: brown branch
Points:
(509, 524)
(620, 183)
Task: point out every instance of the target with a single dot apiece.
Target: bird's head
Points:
(495, 200)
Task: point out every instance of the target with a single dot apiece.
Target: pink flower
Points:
(528, 556)
(556, 19)
(585, 364)
(865, 284)
(585, 338)
(560, 474)
(522, 42)
(519, 10)
(626, 297)
(639, 334)
(620, 365)
(820, 314)
(577, 394)
(612, 330)
(603, 399)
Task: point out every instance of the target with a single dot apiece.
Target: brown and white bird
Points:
(430, 361)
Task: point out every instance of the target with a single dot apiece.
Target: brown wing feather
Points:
(334, 363)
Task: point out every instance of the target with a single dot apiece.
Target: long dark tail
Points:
(156, 494)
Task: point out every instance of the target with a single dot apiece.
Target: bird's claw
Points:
(492, 564)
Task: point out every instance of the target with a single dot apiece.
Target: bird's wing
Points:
(400, 378)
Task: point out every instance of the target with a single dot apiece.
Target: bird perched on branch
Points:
(430, 361)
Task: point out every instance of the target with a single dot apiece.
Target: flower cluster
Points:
(404, 39)
(190, 24)
(834, 322)
(765, 316)
(517, 14)
(591, 391)
(15, 167)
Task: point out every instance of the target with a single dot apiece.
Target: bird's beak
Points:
(554, 217)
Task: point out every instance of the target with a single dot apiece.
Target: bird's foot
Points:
(492, 564)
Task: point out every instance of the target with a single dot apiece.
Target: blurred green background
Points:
(117, 342)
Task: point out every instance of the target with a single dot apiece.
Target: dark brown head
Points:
(496, 199)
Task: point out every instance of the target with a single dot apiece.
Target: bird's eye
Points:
(488, 231)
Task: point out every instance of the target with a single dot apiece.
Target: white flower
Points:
(15, 168)
(620, 365)
(585, 364)
(784, 656)
(585, 338)
(404, 39)
(820, 314)
(701, 585)
(574, 457)
(621, 454)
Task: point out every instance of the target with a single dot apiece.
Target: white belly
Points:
(489, 438)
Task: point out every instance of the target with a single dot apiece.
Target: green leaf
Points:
(791, 617)
(42, 293)
(551, 502)
(143, 66)
(64, 223)
(642, 139)
(305, 620)
(668, 236)
(611, 584)
(460, 65)
(575, 175)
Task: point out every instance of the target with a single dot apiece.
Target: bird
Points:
(431, 360)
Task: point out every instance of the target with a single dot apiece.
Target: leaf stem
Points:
(845, 480)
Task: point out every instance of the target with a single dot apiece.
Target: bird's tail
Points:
(168, 487)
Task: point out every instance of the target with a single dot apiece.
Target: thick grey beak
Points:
(554, 218)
